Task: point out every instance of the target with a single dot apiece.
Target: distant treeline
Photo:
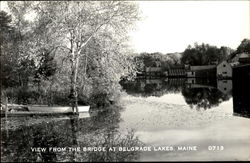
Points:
(199, 54)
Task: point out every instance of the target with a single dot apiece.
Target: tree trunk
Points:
(75, 84)
(85, 71)
(73, 91)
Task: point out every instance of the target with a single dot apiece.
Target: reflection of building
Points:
(191, 80)
(201, 82)
(225, 86)
(194, 84)
(201, 86)
(157, 82)
(153, 87)
(175, 82)
(190, 74)
(224, 70)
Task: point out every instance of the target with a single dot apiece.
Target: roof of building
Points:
(204, 67)
(244, 55)
(224, 62)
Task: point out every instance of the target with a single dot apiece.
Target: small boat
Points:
(42, 108)
(22, 110)
(52, 109)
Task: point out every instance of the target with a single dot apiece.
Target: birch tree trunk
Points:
(73, 78)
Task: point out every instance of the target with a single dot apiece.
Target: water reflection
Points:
(198, 93)
(151, 121)
(99, 130)
(203, 97)
(153, 87)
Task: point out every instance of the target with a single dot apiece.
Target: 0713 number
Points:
(215, 148)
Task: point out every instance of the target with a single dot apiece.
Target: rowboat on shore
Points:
(39, 108)
(26, 110)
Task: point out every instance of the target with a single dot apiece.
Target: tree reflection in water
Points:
(153, 87)
(100, 130)
(203, 97)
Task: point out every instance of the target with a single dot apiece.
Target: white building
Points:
(224, 70)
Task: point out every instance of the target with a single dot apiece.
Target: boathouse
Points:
(153, 71)
(180, 72)
(204, 71)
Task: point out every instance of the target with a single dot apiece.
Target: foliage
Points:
(47, 66)
(244, 47)
(16, 66)
(165, 61)
(5, 26)
(72, 47)
(204, 54)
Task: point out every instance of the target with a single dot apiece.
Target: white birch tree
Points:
(71, 25)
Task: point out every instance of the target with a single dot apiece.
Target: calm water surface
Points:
(168, 114)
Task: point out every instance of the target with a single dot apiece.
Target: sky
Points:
(170, 26)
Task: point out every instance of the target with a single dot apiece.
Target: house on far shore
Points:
(155, 70)
(244, 58)
(191, 74)
(239, 59)
(224, 70)
(204, 71)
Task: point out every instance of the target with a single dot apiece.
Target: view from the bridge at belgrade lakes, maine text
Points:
(116, 81)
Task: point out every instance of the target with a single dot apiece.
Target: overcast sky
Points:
(170, 26)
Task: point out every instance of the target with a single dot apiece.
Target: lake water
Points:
(157, 120)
